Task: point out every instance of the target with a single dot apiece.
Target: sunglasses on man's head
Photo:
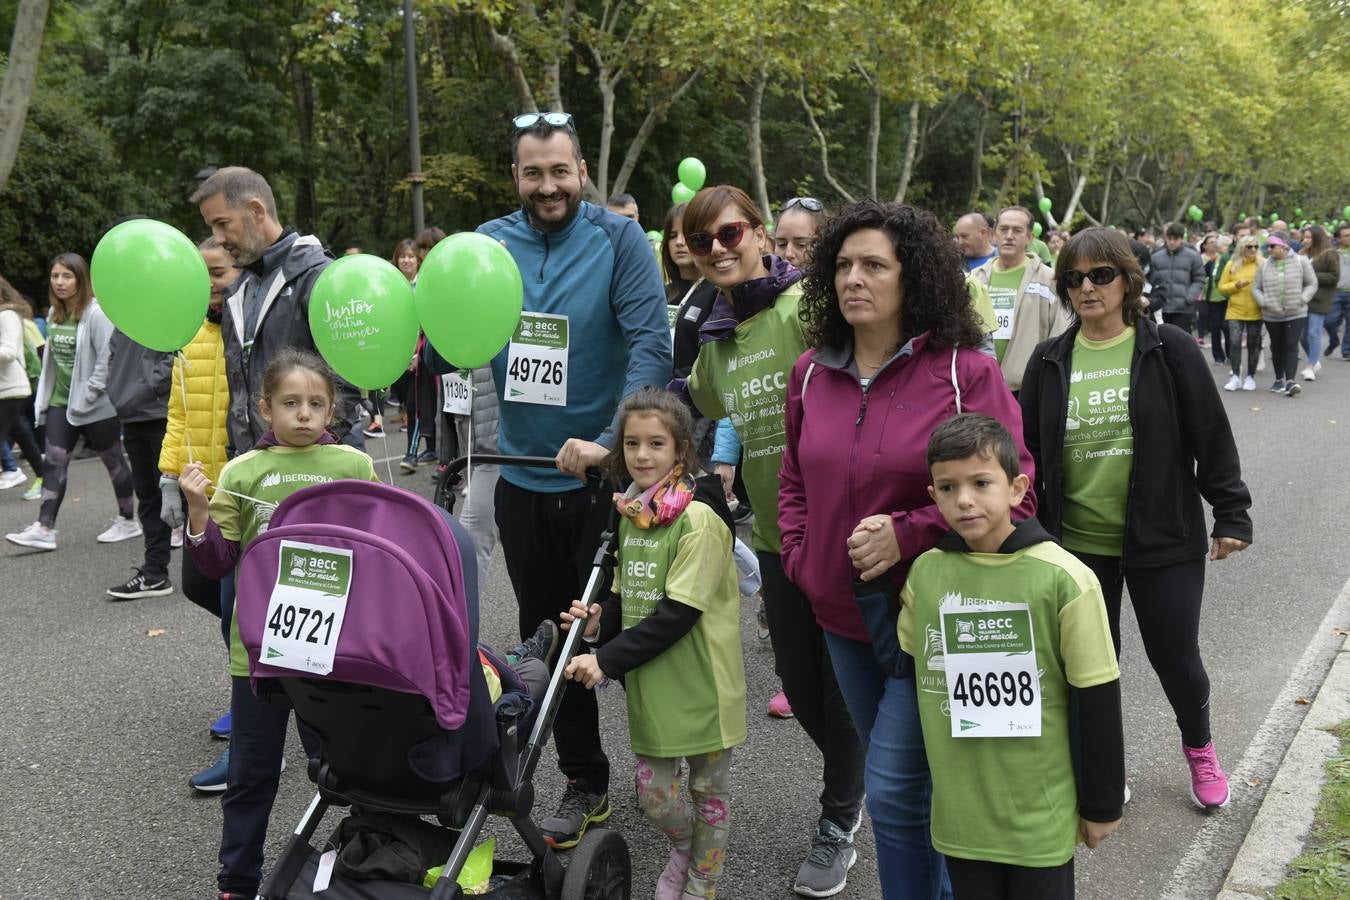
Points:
(1098, 276)
(810, 204)
(700, 243)
(552, 119)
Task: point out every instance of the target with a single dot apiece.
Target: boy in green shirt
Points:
(1019, 691)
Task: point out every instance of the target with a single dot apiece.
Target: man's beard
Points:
(252, 246)
(572, 204)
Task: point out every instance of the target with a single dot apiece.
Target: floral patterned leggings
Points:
(702, 829)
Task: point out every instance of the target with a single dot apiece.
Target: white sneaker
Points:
(1249, 383)
(11, 479)
(176, 538)
(1308, 374)
(120, 530)
(36, 536)
(1317, 366)
(1233, 384)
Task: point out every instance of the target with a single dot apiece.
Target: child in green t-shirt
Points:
(672, 631)
(1019, 692)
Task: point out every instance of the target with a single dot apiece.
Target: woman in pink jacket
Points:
(893, 352)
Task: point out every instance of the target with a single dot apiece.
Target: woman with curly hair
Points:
(893, 352)
(747, 346)
(1145, 532)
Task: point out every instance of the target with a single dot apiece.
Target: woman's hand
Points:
(579, 611)
(1093, 833)
(727, 473)
(1242, 283)
(872, 546)
(585, 670)
(1221, 548)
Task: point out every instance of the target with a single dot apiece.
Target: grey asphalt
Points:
(103, 718)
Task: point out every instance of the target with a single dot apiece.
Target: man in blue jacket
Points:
(593, 331)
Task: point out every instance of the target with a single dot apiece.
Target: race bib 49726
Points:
(536, 363)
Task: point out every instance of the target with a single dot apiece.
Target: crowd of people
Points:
(931, 436)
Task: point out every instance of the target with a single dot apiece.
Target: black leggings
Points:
(105, 438)
(802, 662)
(13, 428)
(1236, 329)
(978, 879)
(1284, 338)
(1166, 602)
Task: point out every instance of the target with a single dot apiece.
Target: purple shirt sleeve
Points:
(214, 554)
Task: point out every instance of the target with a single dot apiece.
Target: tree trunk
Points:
(598, 186)
(20, 76)
(306, 213)
(655, 116)
(873, 138)
(842, 191)
(1040, 195)
(977, 154)
(1106, 198)
(911, 146)
(505, 50)
(757, 181)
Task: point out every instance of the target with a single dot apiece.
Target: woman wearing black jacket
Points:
(1113, 398)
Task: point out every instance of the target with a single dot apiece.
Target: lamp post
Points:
(415, 176)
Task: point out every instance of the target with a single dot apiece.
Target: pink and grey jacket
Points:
(854, 452)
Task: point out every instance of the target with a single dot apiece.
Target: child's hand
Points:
(1093, 833)
(579, 611)
(193, 483)
(585, 669)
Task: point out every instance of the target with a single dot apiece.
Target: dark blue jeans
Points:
(885, 712)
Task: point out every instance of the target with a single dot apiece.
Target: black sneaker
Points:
(427, 456)
(824, 873)
(743, 515)
(576, 811)
(139, 586)
(408, 464)
(541, 645)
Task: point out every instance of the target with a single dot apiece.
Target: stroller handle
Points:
(445, 497)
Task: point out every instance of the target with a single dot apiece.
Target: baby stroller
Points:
(369, 631)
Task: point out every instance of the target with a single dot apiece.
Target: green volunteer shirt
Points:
(61, 345)
(1007, 800)
(691, 698)
(746, 378)
(1003, 296)
(271, 475)
(1098, 454)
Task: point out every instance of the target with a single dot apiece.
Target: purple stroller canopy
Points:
(406, 626)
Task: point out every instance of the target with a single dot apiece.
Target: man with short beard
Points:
(593, 331)
(268, 307)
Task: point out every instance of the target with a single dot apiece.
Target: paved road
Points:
(100, 723)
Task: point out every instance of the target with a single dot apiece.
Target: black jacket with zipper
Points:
(1183, 446)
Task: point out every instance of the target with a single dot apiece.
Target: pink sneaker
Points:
(779, 707)
(1209, 786)
(670, 886)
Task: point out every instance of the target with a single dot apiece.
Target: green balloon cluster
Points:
(363, 321)
(1196, 213)
(692, 174)
(151, 281)
(468, 298)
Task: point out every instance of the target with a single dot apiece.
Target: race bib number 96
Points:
(309, 602)
(536, 362)
(993, 688)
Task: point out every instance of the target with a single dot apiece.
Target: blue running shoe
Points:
(213, 780)
(220, 728)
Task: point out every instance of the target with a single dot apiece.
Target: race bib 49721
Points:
(309, 602)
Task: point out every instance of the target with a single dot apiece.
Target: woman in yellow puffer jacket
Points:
(199, 402)
(1244, 314)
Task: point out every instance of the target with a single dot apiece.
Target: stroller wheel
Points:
(599, 869)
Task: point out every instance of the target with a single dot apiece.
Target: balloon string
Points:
(468, 474)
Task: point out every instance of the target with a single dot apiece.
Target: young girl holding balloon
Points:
(72, 400)
(297, 403)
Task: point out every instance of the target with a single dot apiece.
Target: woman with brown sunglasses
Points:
(749, 344)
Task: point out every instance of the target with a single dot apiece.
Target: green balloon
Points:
(1045, 204)
(1036, 229)
(362, 318)
(693, 172)
(1298, 210)
(681, 193)
(468, 298)
(654, 237)
(1274, 216)
(1197, 213)
(1346, 212)
(152, 283)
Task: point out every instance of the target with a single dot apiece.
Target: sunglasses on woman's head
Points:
(810, 204)
(553, 119)
(1098, 276)
(700, 243)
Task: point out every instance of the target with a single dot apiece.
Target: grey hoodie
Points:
(89, 378)
(138, 380)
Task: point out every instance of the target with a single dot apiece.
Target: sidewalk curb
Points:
(1281, 826)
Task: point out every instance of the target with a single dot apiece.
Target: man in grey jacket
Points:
(268, 307)
(138, 386)
(1177, 276)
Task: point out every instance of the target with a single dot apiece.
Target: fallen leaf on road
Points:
(1256, 409)
(1340, 632)
(1302, 701)
(155, 632)
(1253, 781)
